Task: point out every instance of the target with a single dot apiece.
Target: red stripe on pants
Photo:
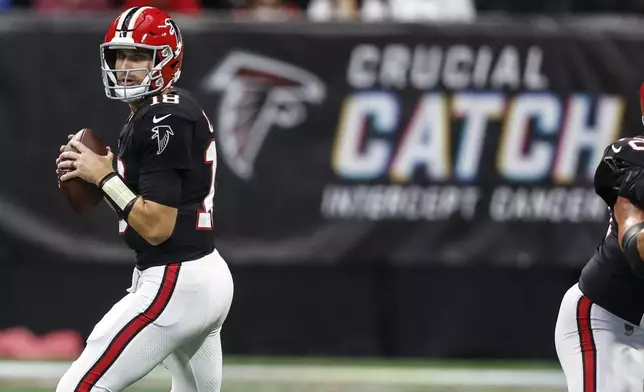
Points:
(588, 350)
(131, 329)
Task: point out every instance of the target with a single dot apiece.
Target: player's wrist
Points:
(105, 178)
(118, 193)
(101, 176)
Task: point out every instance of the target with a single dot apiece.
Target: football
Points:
(80, 194)
(627, 215)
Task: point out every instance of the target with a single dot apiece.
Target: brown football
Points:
(80, 194)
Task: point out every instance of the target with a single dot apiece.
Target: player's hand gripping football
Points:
(60, 172)
(84, 164)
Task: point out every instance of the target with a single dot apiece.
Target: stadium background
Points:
(402, 204)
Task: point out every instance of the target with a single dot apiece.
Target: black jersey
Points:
(607, 279)
(170, 134)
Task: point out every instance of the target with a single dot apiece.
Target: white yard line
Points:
(15, 371)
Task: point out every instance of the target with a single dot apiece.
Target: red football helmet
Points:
(142, 28)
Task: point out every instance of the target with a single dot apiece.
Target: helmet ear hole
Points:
(162, 55)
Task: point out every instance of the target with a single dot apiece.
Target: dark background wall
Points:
(306, 283)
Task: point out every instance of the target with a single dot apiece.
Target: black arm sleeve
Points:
(629, 247)
(161, 186)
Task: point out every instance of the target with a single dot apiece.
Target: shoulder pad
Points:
(620, 154)
(624, 152)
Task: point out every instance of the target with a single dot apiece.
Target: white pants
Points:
(172, 315)
(598, 351)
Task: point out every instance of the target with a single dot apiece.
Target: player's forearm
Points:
(640, 245)
(630, 224)
(633, 247)
(150, 225)
(152, 221)
(638, 237)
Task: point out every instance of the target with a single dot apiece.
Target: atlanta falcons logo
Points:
(162, 134)
(258, 93)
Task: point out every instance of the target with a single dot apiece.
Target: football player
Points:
(599, 334)
(163, 193)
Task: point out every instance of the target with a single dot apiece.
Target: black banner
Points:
(401, 144)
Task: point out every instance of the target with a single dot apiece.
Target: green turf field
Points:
(307, 388)
(328, 375)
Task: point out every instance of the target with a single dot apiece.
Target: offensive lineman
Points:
(163, 194)
(599, 335)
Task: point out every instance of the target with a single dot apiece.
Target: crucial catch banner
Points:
(418, 146)
(383, 143)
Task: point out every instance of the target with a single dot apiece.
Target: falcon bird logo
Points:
(162, 134)
(258, 93)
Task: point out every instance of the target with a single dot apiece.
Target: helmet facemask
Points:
(151, 84)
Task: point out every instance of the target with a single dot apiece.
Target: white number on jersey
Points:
(610, 226)
(165, 98)
(636, 144)
(204, 217)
